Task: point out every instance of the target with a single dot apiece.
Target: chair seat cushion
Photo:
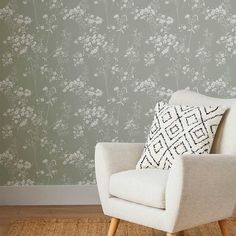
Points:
(145, 186)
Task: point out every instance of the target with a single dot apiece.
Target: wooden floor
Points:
(10, 214)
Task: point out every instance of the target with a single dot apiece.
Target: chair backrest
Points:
(225, 139)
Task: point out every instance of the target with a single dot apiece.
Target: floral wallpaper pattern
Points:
(75, 72)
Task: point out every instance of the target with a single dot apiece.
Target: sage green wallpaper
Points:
(76, 72)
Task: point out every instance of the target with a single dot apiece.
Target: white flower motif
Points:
(145, 13)
(74, 158)
(149, 59)
(218, 13)
(7, 59)
(145, 86)
(74, 14)
(220, 59)
(6, 13)
(74, 86)
(92, 44)
(6, 85)
(21, 43)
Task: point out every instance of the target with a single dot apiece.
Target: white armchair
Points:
(197, 190)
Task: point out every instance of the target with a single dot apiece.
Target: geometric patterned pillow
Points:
(178, 130)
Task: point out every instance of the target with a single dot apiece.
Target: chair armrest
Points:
(111, 158)
(201, 189)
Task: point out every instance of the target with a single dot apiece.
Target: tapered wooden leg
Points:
(113, 226)
(169, 234)
(224, 227)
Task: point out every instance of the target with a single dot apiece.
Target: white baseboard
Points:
(49, 195)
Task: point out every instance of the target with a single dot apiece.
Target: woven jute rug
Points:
(97, 226)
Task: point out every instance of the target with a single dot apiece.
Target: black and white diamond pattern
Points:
(178, 130)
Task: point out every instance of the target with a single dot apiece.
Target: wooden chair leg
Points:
(113, 226)
(224, 227)
(181, 233)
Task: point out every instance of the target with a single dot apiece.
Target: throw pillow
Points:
(178, 130)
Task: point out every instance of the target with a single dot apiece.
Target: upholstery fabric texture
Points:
(190, 199)
(178, 130)
(200, 188)
(136, 186)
